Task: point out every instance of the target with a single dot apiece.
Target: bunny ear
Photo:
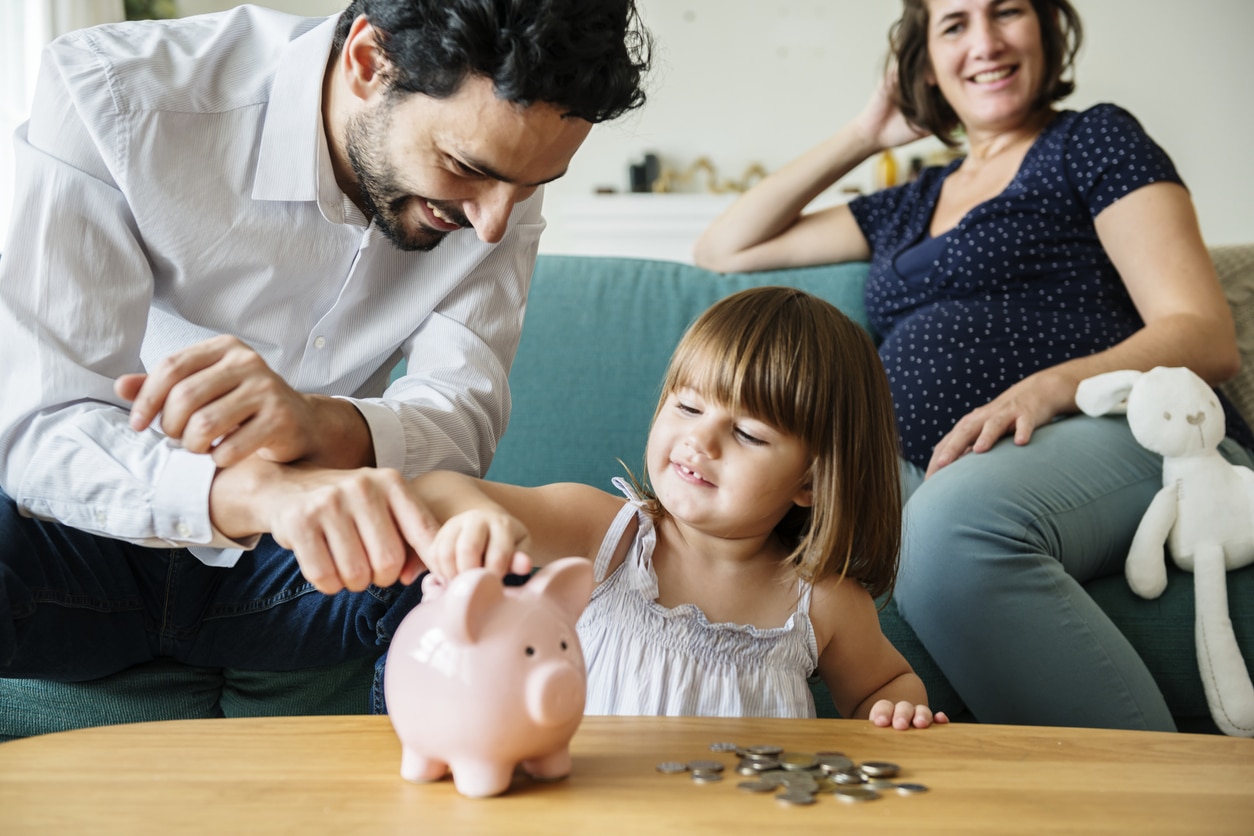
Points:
(567, 583)
(1106, 393)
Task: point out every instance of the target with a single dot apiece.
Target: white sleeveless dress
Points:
(646, 659)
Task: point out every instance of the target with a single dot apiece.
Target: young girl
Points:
(772, 519)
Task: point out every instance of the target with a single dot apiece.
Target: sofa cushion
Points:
(167, 690)
(597, 366)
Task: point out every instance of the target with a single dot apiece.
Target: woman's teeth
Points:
(992, 75)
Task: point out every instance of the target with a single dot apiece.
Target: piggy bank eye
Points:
(531, 651)
(563, 645)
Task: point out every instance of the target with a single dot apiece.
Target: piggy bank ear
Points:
(469, 600)
(566, 582)
(1106, 393)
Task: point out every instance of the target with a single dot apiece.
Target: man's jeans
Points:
(74, 606)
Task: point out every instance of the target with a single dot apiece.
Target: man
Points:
(227, 230)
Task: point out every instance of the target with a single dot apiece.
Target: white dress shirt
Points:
(174, 183)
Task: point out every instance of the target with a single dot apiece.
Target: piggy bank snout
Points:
(555, 693)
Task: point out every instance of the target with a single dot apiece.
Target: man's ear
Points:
(362, 60)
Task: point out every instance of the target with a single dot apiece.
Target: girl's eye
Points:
(749, 439)
(685, 409)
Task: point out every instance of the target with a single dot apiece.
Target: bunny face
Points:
(1174, 413)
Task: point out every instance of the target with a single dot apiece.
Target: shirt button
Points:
(320, 342)
(100, 517)
(184, 530)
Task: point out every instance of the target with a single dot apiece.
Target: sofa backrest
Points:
(597, 336)
(1235, 266)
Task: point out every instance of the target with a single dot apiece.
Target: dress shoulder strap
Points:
(610, 542)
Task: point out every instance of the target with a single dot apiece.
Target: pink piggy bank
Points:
(481, 677)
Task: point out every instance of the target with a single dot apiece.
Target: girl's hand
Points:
(904, 715)
(480, 537)
(881, 122)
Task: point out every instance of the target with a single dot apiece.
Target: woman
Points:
(1061, 246)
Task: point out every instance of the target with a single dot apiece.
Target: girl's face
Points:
(987, 59)
(723, 472)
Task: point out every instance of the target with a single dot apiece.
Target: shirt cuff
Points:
(386, 433)
(180, 508)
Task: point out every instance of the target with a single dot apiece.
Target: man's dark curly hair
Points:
(586, 57)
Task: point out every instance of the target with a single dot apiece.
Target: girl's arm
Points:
(1153, 239)
(867, 676)
(765, 228)
(505, 527)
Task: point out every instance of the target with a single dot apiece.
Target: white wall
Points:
(745, 81)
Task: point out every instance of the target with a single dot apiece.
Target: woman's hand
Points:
(490, 538)
(1032, 402)
(904, 715)
(881, 122)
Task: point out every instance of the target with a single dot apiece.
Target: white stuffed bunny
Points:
(1204, 514)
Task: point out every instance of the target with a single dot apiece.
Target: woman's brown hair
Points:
(922, 103)
(794, 361)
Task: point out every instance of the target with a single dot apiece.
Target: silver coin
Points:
(723, 747)
(746, 770)
(775, 777)
(833, 761)
(794, 797)
(712, 766)
(797, 760)
(880, 769)
(763, 764)
(756, 786)
(852, 794)
(764, 750)
(849, 776)
(910, 789)
(706, 776)
(671, 767)
(881, 784)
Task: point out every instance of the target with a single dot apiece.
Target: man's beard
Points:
(377, 183)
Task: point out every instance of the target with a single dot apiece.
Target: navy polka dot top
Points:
(1020, 284)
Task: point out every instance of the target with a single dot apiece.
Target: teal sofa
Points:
(597, 337)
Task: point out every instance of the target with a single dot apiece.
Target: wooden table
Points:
(340, 775)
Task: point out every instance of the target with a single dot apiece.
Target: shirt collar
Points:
(293, 149)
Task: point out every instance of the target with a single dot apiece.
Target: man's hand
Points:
(347, 528)
(220, 397)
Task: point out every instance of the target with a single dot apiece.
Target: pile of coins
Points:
(798, 778)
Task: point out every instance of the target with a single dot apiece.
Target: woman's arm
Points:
(505, 527)
(1152, 238)
(765, 229)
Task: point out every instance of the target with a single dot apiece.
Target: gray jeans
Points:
(995, 549)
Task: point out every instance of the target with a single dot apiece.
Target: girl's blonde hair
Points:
(795, 361)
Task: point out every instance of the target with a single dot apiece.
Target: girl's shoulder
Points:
(841, 607)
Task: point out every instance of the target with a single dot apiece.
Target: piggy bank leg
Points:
(552, 767)
(479, 779)
(418, 768)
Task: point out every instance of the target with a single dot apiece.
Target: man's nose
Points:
(489, 213)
